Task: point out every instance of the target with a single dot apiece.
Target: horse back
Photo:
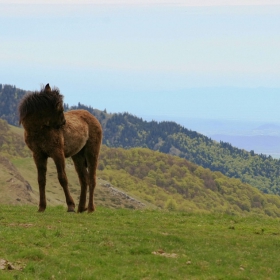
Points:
(81, 128)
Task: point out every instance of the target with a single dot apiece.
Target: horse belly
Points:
(75, 136)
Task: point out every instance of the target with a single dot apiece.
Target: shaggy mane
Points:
(38, 101)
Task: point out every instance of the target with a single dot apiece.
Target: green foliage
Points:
(171, 204)
(174, 183)
(125, 130)
(166, 181)
(125, 244)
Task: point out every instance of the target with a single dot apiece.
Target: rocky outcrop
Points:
(124, 196)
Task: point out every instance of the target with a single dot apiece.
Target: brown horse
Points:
(49, 132)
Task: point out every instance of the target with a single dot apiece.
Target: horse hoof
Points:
(90, 210)
(81, 210)
(71, 211)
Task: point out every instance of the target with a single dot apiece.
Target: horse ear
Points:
(48, 88)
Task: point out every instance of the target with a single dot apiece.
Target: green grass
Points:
(118, 244)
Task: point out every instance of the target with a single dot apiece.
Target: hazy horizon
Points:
(181, 59)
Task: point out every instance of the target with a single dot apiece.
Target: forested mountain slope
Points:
(127, 131)
(158, 179)
(9, 99)
(175, 183)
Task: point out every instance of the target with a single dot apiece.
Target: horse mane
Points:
(38, 101)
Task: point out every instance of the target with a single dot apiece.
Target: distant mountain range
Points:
(263, 139)
(269, 127)
(261, 144)
(248, 135)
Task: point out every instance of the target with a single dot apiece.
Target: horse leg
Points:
(41, 164)
(92, 165)
(92, 150)
(80, 166)
(60, 166)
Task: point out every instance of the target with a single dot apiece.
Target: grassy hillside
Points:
(105, 194)
(14, 189)
(174, 183)
(125, 244)
(18, 177)
(153, 178)
(11, 141)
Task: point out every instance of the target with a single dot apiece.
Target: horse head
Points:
(44, 108)
(56, 113)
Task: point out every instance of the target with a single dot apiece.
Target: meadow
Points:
(136, 244)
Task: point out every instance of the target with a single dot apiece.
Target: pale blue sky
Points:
(201, 59)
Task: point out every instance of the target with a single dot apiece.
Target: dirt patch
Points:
(21, 225)
(161, 253)
(6, 265)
